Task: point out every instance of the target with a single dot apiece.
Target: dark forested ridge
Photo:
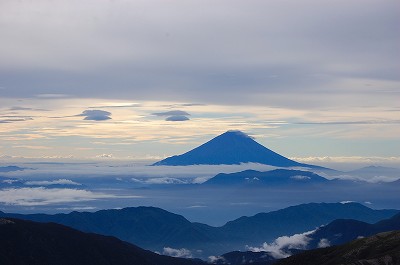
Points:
(30, 243)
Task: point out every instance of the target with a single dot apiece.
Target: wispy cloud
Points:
(178, 253)
(52, 96)
(16, 119)
(172, 113)
(51, 182)
(162, 180)
(45, 196)
(18, 108)
(366, 122)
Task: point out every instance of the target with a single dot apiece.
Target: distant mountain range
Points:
(10, 169)
(338, 232)
(383, 248)
(272, 177)
(154, 228)
(230, 148)
(31, 243)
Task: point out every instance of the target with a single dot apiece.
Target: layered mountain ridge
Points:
(153, 228)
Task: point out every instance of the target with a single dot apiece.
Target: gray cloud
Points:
(172, 113)
(16, 119)
(177, 118)
(266, 53)
(17, 108)
(96, 115)
(134, 105)
(351, 122)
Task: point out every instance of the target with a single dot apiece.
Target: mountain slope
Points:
(383, 248)
(149, 227)
(240, 258)
(344, 230)
(264, 227)
(231, 147)
(31, 243)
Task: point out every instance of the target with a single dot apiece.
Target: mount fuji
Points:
(231, 148)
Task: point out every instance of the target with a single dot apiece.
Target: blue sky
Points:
(147, 79)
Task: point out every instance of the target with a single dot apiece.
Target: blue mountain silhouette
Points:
(231, 148)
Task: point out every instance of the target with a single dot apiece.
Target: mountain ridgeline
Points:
(336, 233)
(154, 228)
(231, 148)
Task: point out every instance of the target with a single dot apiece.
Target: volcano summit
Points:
(230, 148)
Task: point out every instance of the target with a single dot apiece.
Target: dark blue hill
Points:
(30, 243)
(382, 248)
(272, 177)
(264, 227)
(344, 230)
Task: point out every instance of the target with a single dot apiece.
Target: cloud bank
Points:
(280, 247)
(178, 253)
(45, 196)
(52, 182)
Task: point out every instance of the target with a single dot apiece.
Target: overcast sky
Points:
(147, 79)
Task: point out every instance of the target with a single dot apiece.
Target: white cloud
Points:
(346, 202)
(165, 180)
(299, 177)
(323, 243)
(349, 162)
(199, 180)
(216, 259)
(374, 179)
(179, 253)
(44, 196)
(278, 248)
(10, 181)
(105, 156)
(52, 182)
(161, 180)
